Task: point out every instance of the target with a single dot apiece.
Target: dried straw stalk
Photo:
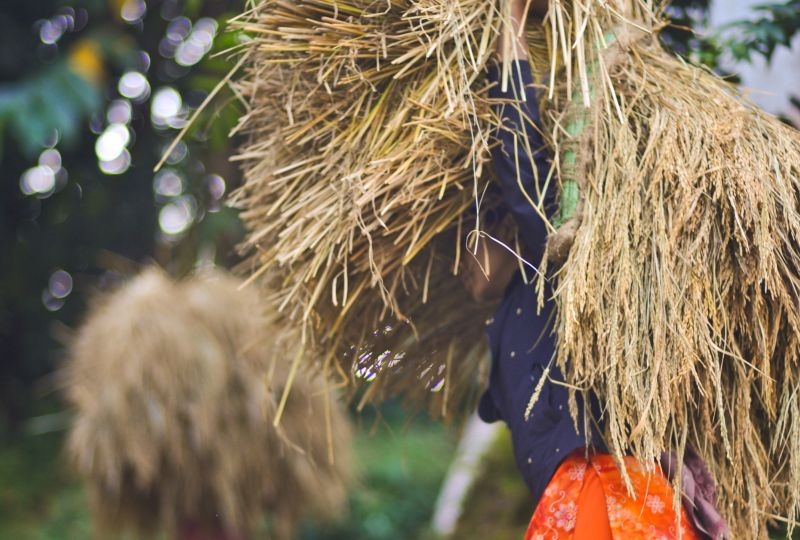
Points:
(174, 386)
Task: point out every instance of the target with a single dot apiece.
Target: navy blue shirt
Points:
(521, 340)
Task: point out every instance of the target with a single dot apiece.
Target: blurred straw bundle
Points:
(678, 299)
(174, 387)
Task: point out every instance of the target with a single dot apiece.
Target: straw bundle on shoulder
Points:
(367, 143)
(678, 303)
(174, 388)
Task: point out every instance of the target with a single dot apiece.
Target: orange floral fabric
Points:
(646, 514)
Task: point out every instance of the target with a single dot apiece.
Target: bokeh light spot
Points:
(189, 53)
(179, 29)
(51, 158)
(53, 29)
(60, 284)
(118, 165)
(168, 183)
(133, 10)
(178, 153)
(50, 33)
(119, 112)
(40, 180)
(144, 61)
(197, 44)
(50, 302)
(177, 216)
(112, 142)
(205, 29)
(165, 107)
(134, 85)
(216, 186)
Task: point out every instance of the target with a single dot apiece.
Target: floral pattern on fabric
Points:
(647, 513)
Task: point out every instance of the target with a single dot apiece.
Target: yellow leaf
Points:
(85, 59)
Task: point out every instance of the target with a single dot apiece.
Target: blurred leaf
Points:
(680, 36)
(53, 100)
(81, 91)
(774, 25)
(27, 125)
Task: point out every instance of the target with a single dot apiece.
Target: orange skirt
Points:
(589, 500)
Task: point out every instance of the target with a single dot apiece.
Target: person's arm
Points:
(519, 155)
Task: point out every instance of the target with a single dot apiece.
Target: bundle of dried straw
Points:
(174, 388)
(367, 129)
(678, 301)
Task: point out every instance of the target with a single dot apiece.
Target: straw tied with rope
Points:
(368, 129)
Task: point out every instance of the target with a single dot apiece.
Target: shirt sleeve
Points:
(520, 159)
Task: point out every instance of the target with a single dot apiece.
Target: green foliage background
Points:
(93, 225)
